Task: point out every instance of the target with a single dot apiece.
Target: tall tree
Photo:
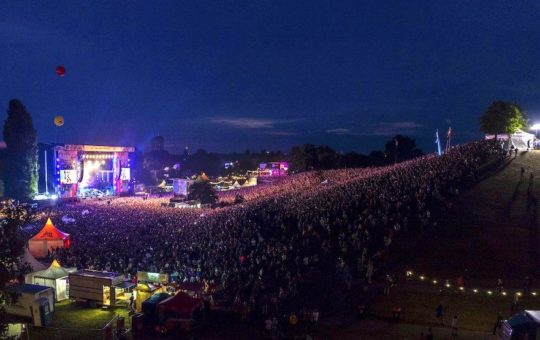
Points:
(12, 245)
(21, 162)
(303, 157)
(502, 117)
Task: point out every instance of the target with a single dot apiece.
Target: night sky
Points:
(236, 75)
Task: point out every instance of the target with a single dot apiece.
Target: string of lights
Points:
(411, 275)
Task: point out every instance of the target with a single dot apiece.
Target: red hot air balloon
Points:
(60, 70)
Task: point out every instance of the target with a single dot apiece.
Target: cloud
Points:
(339, 131)
(252, 123)
(245, 123)
(380, 129)
(393, 128)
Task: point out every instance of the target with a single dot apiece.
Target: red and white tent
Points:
(48, 238)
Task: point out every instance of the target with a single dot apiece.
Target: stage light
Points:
(533, 293)
(535, 127)
(434, 282)
(461, 288)
(503, 293)
(475, 290)
(54, 196)
(518, 293)
(489, 292)
(422, 277)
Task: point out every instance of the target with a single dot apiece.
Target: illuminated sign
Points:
(68, 176)
(98, 148)
(152, 277)
(125, 175)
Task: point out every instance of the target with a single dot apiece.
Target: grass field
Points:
(489, 233)
(476, 313)
(78, 322)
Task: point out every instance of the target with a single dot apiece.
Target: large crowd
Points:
(261, 251)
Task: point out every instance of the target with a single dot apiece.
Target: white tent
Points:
(55, 276)
(35, 265)
(519, 139)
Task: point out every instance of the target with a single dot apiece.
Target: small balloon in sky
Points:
(58, 120)
(60, 70)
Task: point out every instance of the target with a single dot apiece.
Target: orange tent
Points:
(48, 238)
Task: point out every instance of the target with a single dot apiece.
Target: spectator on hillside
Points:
(454, 326)
(439, 313)
(497, 323)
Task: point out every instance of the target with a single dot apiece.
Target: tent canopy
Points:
(55, 271)
(181, 303)
(522, 320)
(31, 260)
(50, 232)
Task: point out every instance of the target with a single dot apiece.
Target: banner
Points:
(125, 175)
(68, 176)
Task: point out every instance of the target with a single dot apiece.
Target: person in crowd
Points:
(497, 323)
(439, 313)
(500, 285)
(429, 334)
(454, 326)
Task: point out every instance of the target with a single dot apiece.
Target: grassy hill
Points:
(491, 231)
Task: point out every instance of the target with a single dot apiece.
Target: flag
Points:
(448, 138)
(438, 142)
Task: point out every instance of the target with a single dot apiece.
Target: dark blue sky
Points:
(232, 75)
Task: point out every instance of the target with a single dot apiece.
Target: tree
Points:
(401, 148)
(21, 164)
(12, 245)
(202, 191)
(502, 117)
(303, 157)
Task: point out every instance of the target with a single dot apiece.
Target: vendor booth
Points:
(150, 308)
(55, 277)
(48, 239)
(143, 292)
(104, 288)
(179, 306)
(35, 302)
(524, 325)
(179, 312)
